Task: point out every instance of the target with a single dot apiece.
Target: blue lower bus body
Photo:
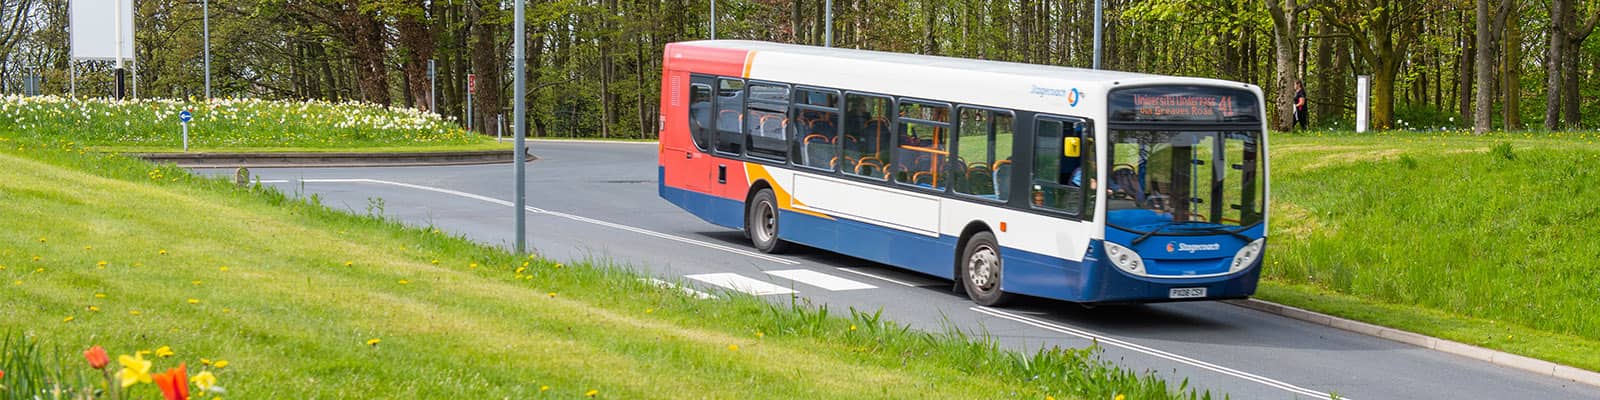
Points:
(1093, 280)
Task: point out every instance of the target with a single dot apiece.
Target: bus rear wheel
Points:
(981, 270)
(761, 223)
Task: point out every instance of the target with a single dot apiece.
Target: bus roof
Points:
(993, 83)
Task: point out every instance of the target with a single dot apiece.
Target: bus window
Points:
(815, 128)
(700, 116)
(919, 149)
(984, 141)
(1058, 180)
(867, 135)
(730, 116)
(766, 121)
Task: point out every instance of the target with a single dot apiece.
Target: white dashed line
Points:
(741, 283)
(821, 280)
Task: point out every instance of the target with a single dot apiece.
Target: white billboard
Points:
(94, 29)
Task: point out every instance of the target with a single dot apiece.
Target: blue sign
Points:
(185, 116)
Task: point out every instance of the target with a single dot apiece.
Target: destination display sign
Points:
(1184, 104)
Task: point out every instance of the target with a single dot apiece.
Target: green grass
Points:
(233, 125)
(485, 144)
(273, 294)
(1486, 240)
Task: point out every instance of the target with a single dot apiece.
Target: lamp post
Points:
(205, 29)
(520, 91)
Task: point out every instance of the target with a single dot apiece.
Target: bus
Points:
(1008, 179)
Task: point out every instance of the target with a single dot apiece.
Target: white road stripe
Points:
(821, 280)
(272, 181)
(1100, 338)
(874, 276)
(741, 283)
(535, 210)
(669, 286)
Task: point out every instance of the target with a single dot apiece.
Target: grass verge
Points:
(306, 302)
(1483, 240)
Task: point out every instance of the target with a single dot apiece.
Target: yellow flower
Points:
(558, 265)
(94, 309)
(164, 352)
(435, 261)
(520, 269)
(223, 268)
(35, 258)
(194, 301)
(552, 295)
(205, 361)
(101, 264)
(349, 263)
(134, 369)
(591, 393)
(473, 265)
(852, 327)
(760, 334)
(373, 341)
(41, 239)
(733, 347)
(1121, 397)
(204, 380)
(220, 364)
(543, 389)
(649, 310)
(196, 282)
(99, 295)
(88, 247)
(162, 252)
(67, 319)
(405, 282)
(134, 312)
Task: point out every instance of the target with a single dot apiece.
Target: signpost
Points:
(1361, 102)
(185, 116)
(519, 95)
(472, 87)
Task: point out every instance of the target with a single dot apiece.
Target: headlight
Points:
(1247, 255)
(1124, 258)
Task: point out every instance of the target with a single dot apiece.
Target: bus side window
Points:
(767, 123)
(730, 116)
(700, 116)
(813, 123)
(867, 136)
(984, 140)
(1057, 182)
(920, 149)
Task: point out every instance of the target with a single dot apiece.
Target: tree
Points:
(1382, 31)
(1483, 115)
(1286, 51)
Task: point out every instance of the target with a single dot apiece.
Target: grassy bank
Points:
(1480, 239)
(305, 302)
(227, 125)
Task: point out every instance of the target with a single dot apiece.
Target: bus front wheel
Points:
(761, 223)
(981, 270)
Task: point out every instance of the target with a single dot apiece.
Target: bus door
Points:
(688, 162)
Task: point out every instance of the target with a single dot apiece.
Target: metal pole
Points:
(520, 91)
(713, 19)
(205, 29)
(469, 107)
(186, 137)
(1099, 25)
(827, 26)
(433, 88)
(119, 74)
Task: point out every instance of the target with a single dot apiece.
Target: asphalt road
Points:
(598, 201)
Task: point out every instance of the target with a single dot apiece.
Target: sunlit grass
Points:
(307, 302)
(1489, 237)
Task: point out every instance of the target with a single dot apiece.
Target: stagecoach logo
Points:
(1192, 248)
(1071, 95)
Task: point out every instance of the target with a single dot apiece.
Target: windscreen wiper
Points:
(1152, 232)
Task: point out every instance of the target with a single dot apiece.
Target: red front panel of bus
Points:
(683, 165)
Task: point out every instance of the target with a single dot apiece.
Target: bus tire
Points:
(981, 270)
(761, 223)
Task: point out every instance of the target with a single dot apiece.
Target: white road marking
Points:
(874, 276)
(1101, 338)
(669, 286)
(272, 181)
(741, 283)
(821, 280)
(535, 210)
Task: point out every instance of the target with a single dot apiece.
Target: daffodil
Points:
(204, 380)
(164, 352)
(135, 370)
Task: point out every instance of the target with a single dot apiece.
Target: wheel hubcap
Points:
(767, 222)
(983, 269)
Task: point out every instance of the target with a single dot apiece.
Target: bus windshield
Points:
(1184, 182)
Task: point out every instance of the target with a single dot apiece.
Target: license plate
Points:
(1186, 293)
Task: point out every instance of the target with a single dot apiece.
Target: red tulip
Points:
(97, 357)
(174, 383)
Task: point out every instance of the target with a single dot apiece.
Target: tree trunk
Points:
(1483, 115)
(1511, 70)
(1383, 76)
(1286, 39)
(372, 75)
(1467, 64)
(416, 41)
(488, 61)
(1556, 56)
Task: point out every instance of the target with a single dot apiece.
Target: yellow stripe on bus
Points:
(754, 172)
